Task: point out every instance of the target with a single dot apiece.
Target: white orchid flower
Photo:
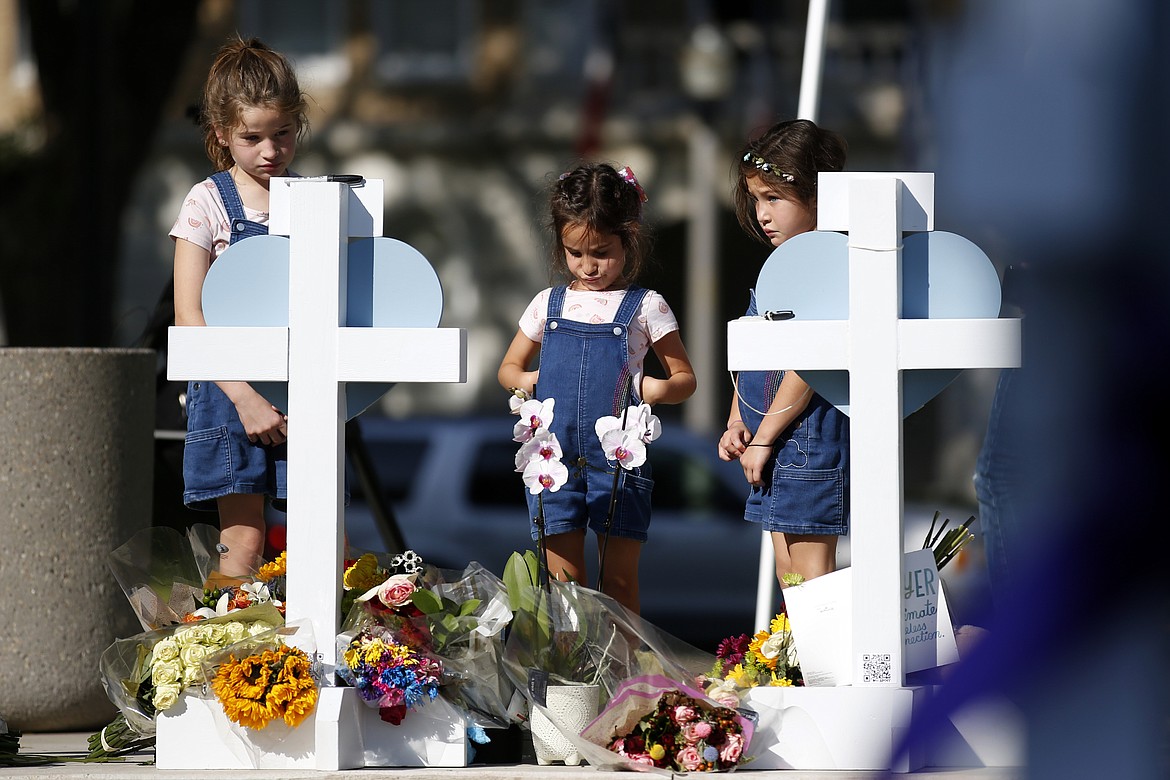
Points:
(624, 446)
(640, 419)
(543, 446)
(545, 473)
(626, 441)
(534, 416)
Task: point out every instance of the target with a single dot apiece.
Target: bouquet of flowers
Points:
(743, 662)
(653, 721)
(389, 674)
(147, 673)
(416, 633)
(263, 680)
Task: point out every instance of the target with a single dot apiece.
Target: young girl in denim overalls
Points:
(591, 336)
(793, 445)
(253, 113)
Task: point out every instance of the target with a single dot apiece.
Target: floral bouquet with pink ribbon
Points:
(654, 723)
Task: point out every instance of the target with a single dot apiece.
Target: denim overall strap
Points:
(241, 226)
(756, 389)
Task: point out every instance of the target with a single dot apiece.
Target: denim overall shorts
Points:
(808, 490)
(585, 367)
(218, 459)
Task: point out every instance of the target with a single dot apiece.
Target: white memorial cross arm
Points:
(875, 345)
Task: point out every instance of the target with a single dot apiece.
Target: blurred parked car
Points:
(453, 491)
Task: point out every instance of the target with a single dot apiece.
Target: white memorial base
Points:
(858, 728)
(341, 733)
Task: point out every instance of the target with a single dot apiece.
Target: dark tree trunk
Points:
(106, 69)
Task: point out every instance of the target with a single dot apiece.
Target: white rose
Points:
(165, 697)
(192, 634)
(259, 627)
(193, 655)
(166, 650)
(234, 632)
(166, 672)
(192, 675)
(216, 634)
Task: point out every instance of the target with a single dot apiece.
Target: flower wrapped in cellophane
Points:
(269, 677)
(655, 723)
(171, 578)
(564, 634)
(147, 673)
(419, 632)
(388, 673)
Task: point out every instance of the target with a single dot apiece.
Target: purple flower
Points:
(733, 649)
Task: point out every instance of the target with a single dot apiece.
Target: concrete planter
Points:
(76, 466)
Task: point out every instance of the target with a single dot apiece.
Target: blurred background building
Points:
(467, 109)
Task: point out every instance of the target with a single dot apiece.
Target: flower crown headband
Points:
(767, 167)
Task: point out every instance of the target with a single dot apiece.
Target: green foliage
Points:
(551, 624)
(446, 618)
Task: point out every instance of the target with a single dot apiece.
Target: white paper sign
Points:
(821, 612)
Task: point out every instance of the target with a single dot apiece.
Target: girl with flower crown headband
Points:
(793, 445)
(591, 336)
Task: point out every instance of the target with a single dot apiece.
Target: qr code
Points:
(875, 667)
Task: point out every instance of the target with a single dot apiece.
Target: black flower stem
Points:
(617, 472)
(542, 575)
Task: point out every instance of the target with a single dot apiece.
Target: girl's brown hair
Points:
(247, 74)
(789, 155)
(597, 196)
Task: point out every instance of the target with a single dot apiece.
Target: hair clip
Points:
(629, 178)
(767, 167)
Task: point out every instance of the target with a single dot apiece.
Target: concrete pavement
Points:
(141, 765)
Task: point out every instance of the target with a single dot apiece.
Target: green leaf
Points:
(427, 602)
(468, 607)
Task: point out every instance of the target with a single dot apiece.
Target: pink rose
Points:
(696, 730)
(684, 714)
(397, 590)
(688, 758)
(732, 748)
(640, 758)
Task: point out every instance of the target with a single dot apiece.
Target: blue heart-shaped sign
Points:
(390, 285)
(944, 276)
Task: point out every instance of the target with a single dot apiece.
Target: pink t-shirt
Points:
(653, 320)
(203, 219)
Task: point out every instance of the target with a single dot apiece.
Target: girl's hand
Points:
(733, 443)
(528, 381)
(262, 421)
(754, 462)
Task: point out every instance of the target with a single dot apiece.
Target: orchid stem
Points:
(542, 576)
(617, 473)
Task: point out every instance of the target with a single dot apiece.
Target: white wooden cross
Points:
(875, 345)
(317, 355)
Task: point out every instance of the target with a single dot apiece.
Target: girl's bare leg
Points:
(809, 555)
(621, 572)
(566, 556)
(241, 530)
